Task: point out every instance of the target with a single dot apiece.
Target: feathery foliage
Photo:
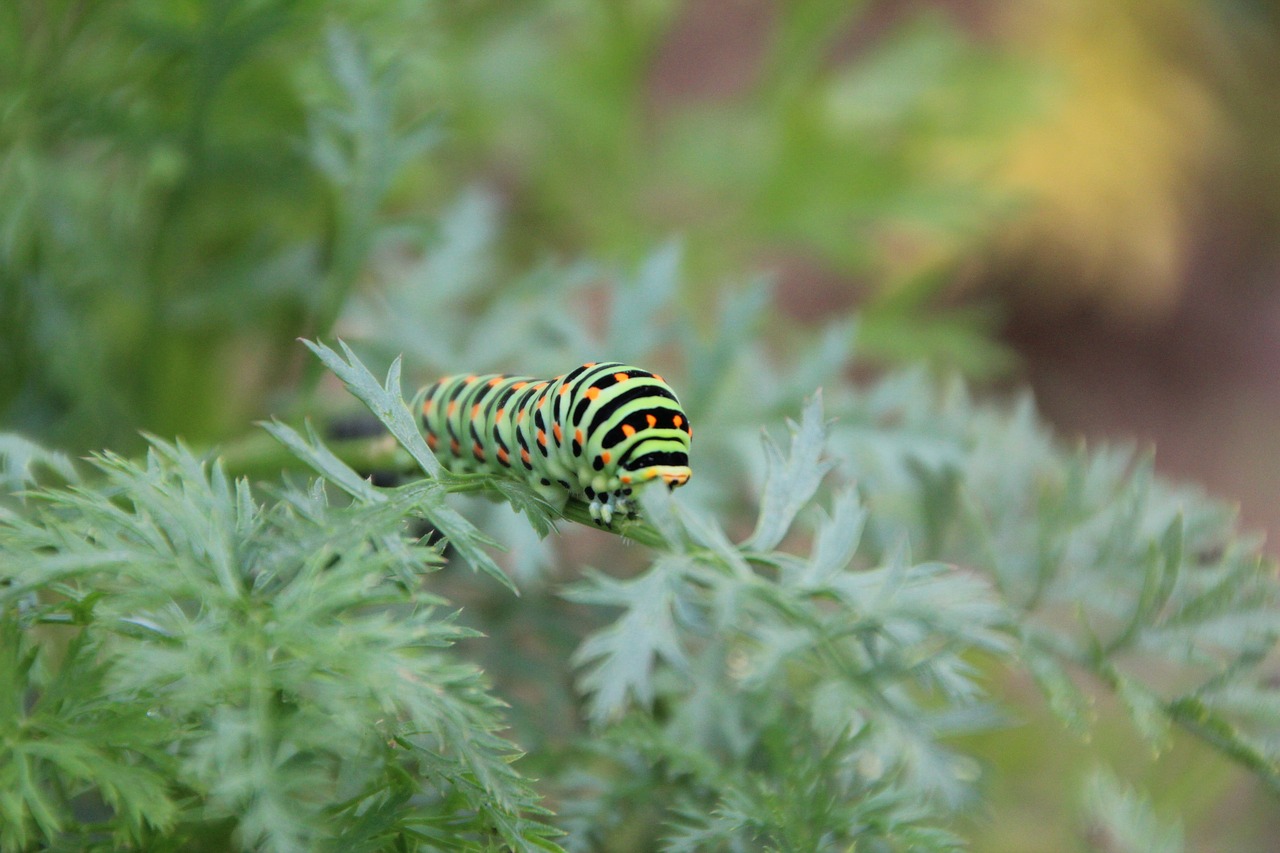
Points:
(189, 667)
(199, 654)
(188, 661)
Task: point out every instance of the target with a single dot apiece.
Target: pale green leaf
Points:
(384, 400)
(791, 481)
(1120, 820)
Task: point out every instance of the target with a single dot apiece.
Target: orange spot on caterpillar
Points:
(564, 389)
(559, 435)
(432, 441)
(606, 456)
(542, 438)
(542, 401)
(520, 416)
(577, 436)
(475, 411)
(677, 420)
(426, 407)
(478, 452)
(518, 386)
(657, 377)
(453, 405)
(625, 478)
(620, 377)
(524, 455)
(540, 386)
(593, 392)
(628, 430)
(652, 421)
(497, 380)
(471, 379)
(454, 447)
(590, 364)
(498, 416)
(503, 456)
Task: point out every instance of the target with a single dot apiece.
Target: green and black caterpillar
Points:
(598, 432)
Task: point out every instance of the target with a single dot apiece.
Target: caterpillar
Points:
(599, 432)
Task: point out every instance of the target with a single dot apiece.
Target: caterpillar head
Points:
(656, 459)
(659, 434)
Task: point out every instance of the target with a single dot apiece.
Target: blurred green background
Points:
(1080, 195)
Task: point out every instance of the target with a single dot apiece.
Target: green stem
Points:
(259, 456)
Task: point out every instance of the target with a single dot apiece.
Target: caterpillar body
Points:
(599, 432)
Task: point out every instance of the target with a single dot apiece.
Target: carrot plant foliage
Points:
(194, 661)
(316, 638)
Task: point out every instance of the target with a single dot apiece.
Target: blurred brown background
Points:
(1140, 268)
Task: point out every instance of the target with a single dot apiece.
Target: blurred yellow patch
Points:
(1110, 173)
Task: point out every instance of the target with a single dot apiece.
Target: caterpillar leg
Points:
(605, 505)
(601, 512)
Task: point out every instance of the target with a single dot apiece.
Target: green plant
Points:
(202, 664)
(805, 645)
(184, 189)
(864, 164)
(187, 667)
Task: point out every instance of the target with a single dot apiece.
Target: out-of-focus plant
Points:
(180, 196)
(185, 189)
(838, 157)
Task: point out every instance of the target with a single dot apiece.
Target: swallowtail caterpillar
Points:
(599, 432)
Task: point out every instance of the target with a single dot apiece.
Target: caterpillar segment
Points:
(599, 433)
